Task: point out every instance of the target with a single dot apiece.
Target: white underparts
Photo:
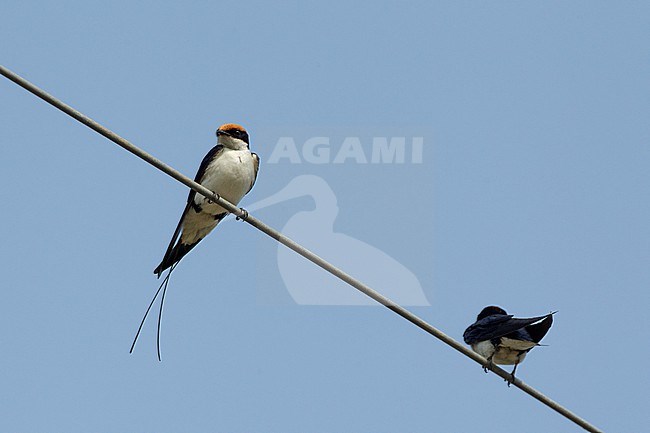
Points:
(230, 175)
(508, 352)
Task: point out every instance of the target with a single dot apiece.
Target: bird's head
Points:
(490, 311)
(232, 136)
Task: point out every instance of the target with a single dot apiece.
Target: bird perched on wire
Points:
(230, 170)
(504, 339)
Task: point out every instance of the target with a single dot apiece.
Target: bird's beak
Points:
(221, 132)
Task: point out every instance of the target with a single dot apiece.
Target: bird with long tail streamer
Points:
(230, 170)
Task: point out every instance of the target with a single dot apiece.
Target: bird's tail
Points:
(173, 256)
(539, 330)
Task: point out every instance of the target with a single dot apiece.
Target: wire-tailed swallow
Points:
(503, 339)
(229, 169)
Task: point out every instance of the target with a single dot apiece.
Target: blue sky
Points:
(531, 193)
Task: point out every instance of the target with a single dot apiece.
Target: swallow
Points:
(503, 339)
(230, 170)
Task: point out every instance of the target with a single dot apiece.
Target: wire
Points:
(243, 215)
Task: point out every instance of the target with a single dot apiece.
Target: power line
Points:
(243, 214)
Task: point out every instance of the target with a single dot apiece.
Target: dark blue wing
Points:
(175, 251)
(256, 166)
(207, 159)
(499, 325)
(482, 329)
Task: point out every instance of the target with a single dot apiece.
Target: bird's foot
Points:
(212, 201)
(244, 215)
(488, 367)
(512, 375)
